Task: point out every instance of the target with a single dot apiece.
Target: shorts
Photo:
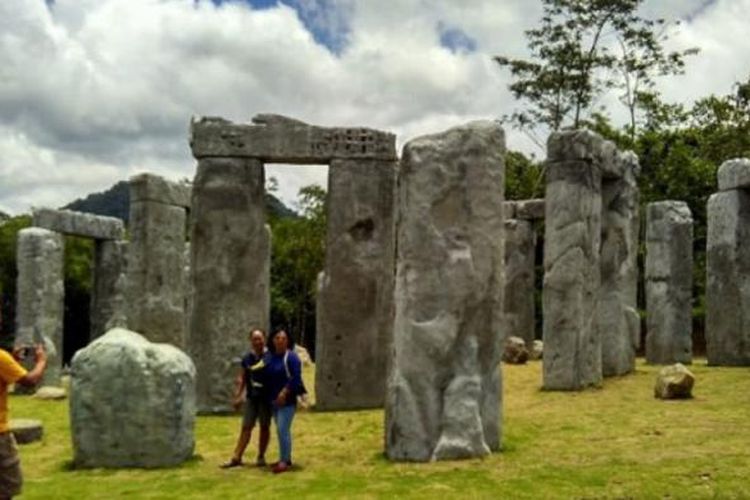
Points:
(10, 466)
(256, 409)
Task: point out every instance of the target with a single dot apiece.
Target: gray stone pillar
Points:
(443, 396)
(354, 321)
(728, 268)
(156, 273)
(520, 252)
(107, 292)
(40, 295)
(572, 345)
(229, 247)
(669, 283)
(618, 320)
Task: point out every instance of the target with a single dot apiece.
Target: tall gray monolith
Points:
(108, 290)
(618, 320)
(728, 268)
(573, 209)
(443, 397)
(156, 272)
(520, 252)
(40, 294)
(355, 301)
(229, 246)
(669, 283)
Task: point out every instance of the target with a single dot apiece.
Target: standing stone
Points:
(618, 320)
(520, 252)
(156, 272)
(669, 283)
(572, 344)
(188, 288)
(107, 292)
(443, 398)
(728, 268)
(132, 403)
(354, 322)
(40, 293)
(230, 247)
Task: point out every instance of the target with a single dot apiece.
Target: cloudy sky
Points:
(94, 91)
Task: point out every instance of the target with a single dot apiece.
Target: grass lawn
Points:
(616, 442)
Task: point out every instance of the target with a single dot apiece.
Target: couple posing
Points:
(272, 380)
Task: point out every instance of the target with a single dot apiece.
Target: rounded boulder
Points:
(132, 403)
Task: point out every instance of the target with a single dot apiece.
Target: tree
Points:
(573, 61)
(298, 256)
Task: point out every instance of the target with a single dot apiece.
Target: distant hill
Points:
(3, 216)
(115, 202)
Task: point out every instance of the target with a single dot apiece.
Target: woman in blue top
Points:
(283, 377)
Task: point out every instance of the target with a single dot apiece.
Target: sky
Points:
(95, 91)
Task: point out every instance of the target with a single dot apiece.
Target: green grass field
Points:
(616, 442)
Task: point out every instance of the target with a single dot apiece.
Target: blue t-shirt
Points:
(276, 377)
(254, 372)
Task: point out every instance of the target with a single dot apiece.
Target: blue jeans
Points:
(283, 417)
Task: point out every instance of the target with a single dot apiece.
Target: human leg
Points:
(284, 416)
(11, 479)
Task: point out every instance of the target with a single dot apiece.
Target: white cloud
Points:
(92, 91)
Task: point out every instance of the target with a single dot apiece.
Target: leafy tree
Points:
(524, 177)
(8, 273)
(573, 62)
(298, 256)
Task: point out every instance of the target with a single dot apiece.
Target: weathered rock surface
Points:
(132, 403)
(734, 174)
(39, 296)
(49, 393)
(108, 292)
(355, 303)
(674, 382)
(150, 187)
(520, 253)
(156, 266)
(618, 321)
(26, 430)
(515, 352)
(728, 279)
(230, 248)
(79, 224)
(669, 283)
(529, 209)
(572, 343)
(278, 139)
(443, 397)
(537, 350)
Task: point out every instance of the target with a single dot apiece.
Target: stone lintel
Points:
(79, 224)
(150, 187)
(278, 139)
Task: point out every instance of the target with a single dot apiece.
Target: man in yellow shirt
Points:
(13, 373)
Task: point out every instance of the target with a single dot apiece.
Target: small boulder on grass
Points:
(515, 352)
(537, 350)
(50, 393)
(674, 382)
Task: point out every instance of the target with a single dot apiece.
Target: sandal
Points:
(234, 462)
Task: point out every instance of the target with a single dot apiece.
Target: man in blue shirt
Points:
(251, 379)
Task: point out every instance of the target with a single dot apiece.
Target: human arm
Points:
(15, 373)
(294, 369)
(239, 384)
